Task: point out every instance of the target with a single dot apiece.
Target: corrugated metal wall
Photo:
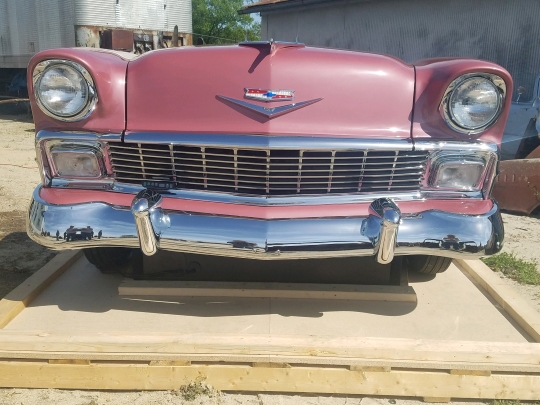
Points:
(504, 31)
(20, 16)
(143, 14)
(5, 37)
(30, 26)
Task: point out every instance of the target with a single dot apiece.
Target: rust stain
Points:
(517, 186)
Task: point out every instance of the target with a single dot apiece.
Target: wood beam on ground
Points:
(266, 290)
(409, 383)
(15, 302)
(508, 298)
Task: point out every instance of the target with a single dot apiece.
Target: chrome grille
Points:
(267, 171)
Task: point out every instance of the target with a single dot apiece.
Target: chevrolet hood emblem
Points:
(273, 111)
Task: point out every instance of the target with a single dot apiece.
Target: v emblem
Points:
(273, 111)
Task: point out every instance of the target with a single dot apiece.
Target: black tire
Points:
(428, 264)
(108, 259)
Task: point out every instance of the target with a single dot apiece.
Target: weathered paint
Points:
(87, 36)
(502, 31)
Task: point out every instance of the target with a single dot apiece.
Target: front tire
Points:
(428, 264)
(108, 259)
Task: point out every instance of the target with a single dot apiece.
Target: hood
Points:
(199, 90)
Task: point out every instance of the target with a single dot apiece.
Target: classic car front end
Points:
(267, 150)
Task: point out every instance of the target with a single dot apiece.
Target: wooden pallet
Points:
(434, 370)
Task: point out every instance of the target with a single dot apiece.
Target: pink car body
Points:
(190, 163)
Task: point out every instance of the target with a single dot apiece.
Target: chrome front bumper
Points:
(385, 232)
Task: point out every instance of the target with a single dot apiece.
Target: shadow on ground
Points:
(70, 292)
(20, 257)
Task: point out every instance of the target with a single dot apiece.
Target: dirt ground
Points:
(20, 257)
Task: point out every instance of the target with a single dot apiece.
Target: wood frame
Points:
(434, 370)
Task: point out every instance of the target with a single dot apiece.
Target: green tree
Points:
(218, 22)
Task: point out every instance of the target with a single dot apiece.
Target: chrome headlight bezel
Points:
(91, 99)
(445, 108)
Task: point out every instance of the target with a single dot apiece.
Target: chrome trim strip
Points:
(292, 200)
(466, 146)
(269, 141)
(77, 136)
(429, 232)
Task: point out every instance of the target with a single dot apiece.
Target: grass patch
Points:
(522, 271)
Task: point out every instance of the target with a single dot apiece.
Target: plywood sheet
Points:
(449, 307)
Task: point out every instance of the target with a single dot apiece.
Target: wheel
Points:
(108, 259)
(428, 264)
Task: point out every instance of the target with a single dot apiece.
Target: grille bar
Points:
(209, 156)
(267, 171)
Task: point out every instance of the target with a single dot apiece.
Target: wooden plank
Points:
(69, 361)
(508, 298)
(297, 349)
(370, 368)
(21, 296)
(408, 383)
(485, 373)
(169, 363)
(271, 365)
(156, 288)
(437, 399)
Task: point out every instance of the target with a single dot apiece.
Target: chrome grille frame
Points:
(107, 182)
(270, 172)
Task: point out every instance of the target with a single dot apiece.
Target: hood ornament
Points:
(270, 112)
(269, 95)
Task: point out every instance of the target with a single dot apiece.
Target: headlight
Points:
(473, 102)
(460, 175)
(64, 90)
(72, 161)
(454, 171)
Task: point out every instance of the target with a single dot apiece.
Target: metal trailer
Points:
(30, 26)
